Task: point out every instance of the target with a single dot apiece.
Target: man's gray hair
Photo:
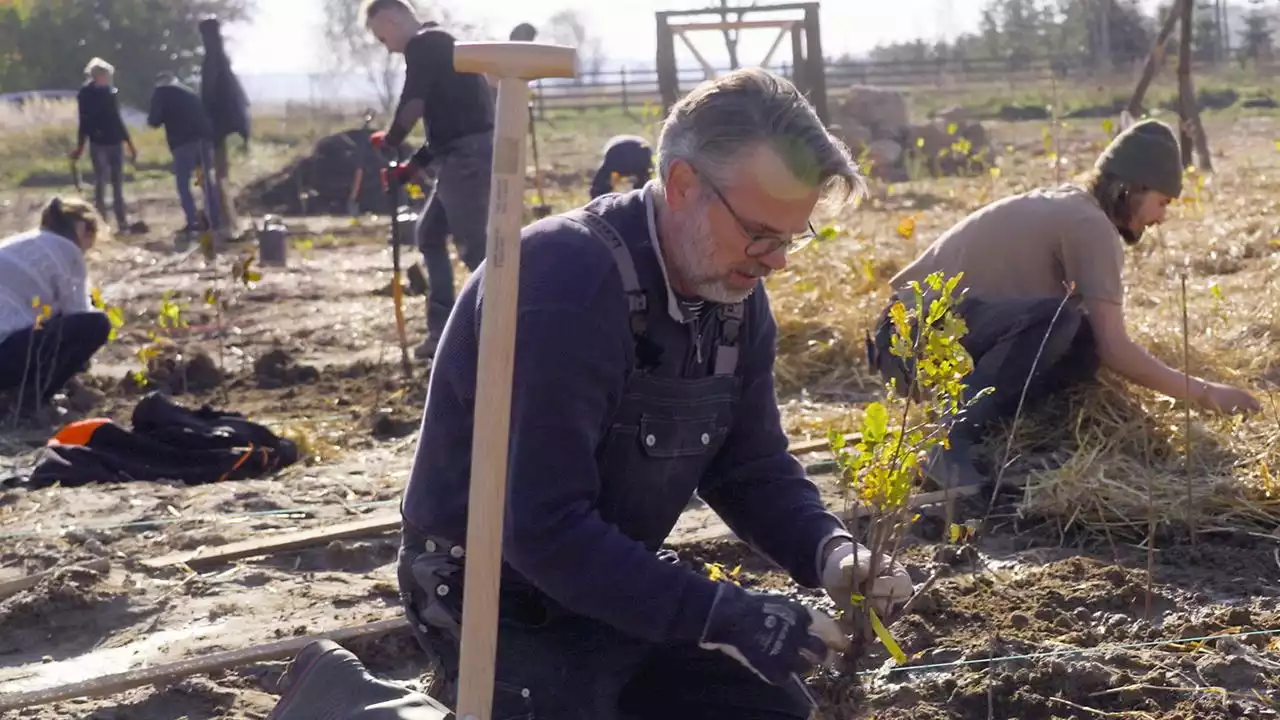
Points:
(720, 119)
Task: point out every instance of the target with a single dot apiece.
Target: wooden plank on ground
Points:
(210, 556)
(17, 585)
(207, 556)
(213, 662)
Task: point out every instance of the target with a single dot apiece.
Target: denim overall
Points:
(555, 665)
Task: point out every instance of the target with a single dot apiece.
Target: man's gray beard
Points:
(691, 256)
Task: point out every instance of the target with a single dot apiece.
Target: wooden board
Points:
(213, 662)
(206, 556)
(210, 556)
(13, 587)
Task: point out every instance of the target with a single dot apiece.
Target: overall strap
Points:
(731, 318)
(637, 299)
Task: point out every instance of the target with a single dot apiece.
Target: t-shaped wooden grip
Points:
(514, 64)
(523, 60)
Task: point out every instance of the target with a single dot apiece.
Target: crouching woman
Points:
(48, 328)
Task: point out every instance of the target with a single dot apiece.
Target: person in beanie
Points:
(1020, 257)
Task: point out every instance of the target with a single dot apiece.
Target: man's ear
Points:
(681, 185)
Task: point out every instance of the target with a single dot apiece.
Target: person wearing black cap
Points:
(625, 156)
(1020, 256)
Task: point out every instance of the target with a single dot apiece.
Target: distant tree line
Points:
(1095, 35)
(44, 44)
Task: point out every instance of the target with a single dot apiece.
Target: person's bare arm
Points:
(1121, 354)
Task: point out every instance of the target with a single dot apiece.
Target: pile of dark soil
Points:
(320, 183)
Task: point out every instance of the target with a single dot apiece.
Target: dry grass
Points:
(1120, 439)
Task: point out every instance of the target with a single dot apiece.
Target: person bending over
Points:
(1021, 256)
(626, 156)
(458, 111)
(48, 327)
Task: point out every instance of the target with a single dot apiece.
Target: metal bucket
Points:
(273, 242)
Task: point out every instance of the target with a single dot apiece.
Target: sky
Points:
(625, 27)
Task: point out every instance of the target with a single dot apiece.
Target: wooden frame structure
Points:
(809, 74)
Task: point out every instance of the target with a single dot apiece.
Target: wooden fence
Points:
(634, 90)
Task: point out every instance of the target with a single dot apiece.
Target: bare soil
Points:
(310, 350)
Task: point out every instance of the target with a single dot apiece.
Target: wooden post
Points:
(799, 77)
(626, 105)
(1154, 58)
(815, 67)
(1191, 131)
(668, 79)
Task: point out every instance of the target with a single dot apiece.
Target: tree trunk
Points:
(1155, 57)
(1191, 130)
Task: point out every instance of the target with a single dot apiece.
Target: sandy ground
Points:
(332, 381)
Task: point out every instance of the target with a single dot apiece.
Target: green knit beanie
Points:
(1147, 154)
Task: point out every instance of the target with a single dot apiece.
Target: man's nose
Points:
(775, 261)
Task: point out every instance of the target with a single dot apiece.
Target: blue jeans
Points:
(186, 158)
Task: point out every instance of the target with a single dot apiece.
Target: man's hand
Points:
(405, 172)
(133, 153)
(844, 570)
(378, 139)
(75, 154)
(1227, 399)
(771, 636)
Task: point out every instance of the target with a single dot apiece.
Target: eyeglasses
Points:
(764, 243)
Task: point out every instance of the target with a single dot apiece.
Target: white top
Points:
(40, 264)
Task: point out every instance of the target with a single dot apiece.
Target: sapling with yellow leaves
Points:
(879, 471)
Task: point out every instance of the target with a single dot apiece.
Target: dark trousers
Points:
(37, 363)
(108, 165)
(186, 160)
(459, 205)
(554, 665)
(1007, 338)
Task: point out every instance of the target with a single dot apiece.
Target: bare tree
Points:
(353, 49)
(731, 36)
(567, 27)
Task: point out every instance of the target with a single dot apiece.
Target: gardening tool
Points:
(524, 32)
(514, 64)
(391, 185)
(75, 176)
(542, 209)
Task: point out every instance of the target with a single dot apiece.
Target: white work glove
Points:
(843, 572)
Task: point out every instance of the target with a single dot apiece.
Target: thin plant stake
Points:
(1186, 407)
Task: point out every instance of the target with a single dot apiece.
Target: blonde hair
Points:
(61, 214)
(99, 65)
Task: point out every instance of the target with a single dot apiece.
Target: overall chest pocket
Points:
(650, 469)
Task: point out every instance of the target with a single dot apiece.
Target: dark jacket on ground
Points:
(220, 90)
(454, 104)
(179, 109)
(575, 355)
(100, 121)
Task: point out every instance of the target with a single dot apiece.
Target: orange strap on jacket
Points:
(78, 432)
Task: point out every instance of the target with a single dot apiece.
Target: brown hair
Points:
(373, 7)
(60, 217)
(1117, 198)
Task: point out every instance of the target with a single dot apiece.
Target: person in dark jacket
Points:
(189, 134)
(226, 104)
(626, 156)
(643, 373)
(103, 128)
(457, 109)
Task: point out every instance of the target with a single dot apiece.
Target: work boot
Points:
(427, 350)
(327, 682)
